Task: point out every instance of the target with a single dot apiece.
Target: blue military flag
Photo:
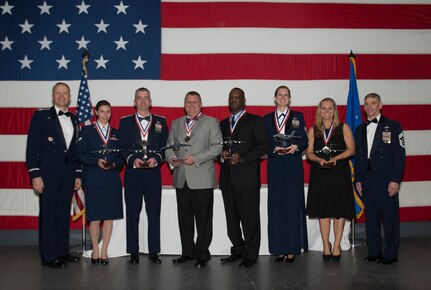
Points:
(354, 119)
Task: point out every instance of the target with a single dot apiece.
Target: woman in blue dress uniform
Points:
(287, 228)
(98, 151)
(330, 191)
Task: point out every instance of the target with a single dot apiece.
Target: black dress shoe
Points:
(200, 263)
(386, 261)
(134, 258)
(155, 258)
(104, 261)
(371, 258)
(246, 263)
(231, 258)
(55, 264)
(69, 258)
(182, 259)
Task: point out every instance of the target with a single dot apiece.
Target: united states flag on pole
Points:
(84, 108)
(173, 47)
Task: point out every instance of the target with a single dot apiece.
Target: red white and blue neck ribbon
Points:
(327, 137)
(189, 126)
(104, 136)
(233, 126)
(280, 124)
(144, 130)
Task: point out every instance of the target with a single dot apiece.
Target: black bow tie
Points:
(368, 122)
(67, 114)
(144, 118)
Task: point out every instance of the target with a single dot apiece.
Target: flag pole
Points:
(353, 242)
(85, 56)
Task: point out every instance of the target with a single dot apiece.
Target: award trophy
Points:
(328, 150)
(284, 141)
(107, 156)
(176, 146)
(143, 152)
(228, 142)
(144, 145)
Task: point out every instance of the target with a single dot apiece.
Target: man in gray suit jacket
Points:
(194, 177)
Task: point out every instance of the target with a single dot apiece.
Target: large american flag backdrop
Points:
(173, 47)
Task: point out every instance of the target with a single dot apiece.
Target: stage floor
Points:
(20, 269)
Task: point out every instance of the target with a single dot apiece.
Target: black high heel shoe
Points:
(336, 258)
(327, 258)
(290, 259)
(280, 258)
(104, 261)
(94, 261)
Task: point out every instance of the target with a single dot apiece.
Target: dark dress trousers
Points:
(103, 188)
(48, 156)
(287, 227)
(142, 183)
(240, 184)
(385, 164)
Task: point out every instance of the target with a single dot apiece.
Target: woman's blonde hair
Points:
(319, 121)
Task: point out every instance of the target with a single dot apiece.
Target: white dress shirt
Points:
(371, 132)
(281, 119)
(66, 126)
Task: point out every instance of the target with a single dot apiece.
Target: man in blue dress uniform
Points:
(141, 137)
(54, 173)
(379, 164)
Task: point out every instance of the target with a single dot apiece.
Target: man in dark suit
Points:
(240, 178)
(379, 164)
(194, 177)
(54, 173)
(141, 136)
